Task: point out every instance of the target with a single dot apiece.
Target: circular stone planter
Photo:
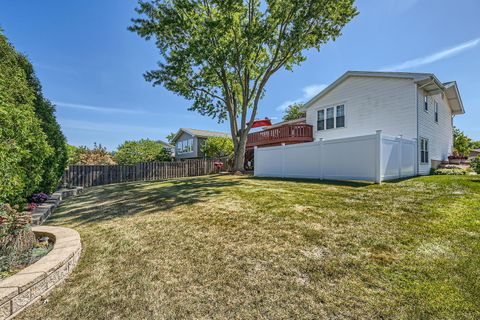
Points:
(35, 281)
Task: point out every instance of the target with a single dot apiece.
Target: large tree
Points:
(144, 150)
(220, 54)
(294, 112)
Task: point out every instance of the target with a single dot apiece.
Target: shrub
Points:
(144, 150)
(16, 236)
(475, 164)
(450, 172)
(23, 144)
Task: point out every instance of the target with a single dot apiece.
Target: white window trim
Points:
(324, 108)
(180, 150)
(428, 151)
(425, 96)
(436, 111)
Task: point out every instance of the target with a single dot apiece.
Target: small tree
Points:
(170, 137)
(145, 150)
(221, 54)
(218, 147)
(461, 143)
(294, 112)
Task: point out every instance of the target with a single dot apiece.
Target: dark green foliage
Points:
(54, 165)
(475, 164)
(294, 112)
(23, 144)
(144, 150)
(461, 143)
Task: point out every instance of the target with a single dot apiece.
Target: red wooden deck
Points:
(288, 134)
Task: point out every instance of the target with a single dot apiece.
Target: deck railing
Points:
(294, 133)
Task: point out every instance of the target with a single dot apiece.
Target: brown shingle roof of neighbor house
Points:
(201, 133)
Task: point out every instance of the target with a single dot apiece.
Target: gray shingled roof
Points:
(201, 133)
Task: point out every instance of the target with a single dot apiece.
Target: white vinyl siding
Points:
(370, 104)
(439, 133)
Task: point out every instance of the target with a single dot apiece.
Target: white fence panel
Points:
(349, 158)
(373, 157)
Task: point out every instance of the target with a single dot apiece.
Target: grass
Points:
(243, 248)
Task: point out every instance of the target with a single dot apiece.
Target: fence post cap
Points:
(283, 144)
(378, 131)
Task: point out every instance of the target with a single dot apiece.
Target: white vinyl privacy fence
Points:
(375, 157)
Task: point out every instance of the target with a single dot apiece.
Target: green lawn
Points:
(243, 248)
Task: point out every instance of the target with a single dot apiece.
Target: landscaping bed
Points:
(247, 248)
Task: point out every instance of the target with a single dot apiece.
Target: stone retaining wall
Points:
(30, 284)
(43, 211)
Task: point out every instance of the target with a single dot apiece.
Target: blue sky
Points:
(91, 66)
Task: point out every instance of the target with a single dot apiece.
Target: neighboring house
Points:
(188, 142)
(415, 105)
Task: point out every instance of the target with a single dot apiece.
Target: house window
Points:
(185, 146)
(321, 120)
(330, 118)
(340, 120)
(425, 103)
(435, 109)
(423, 150)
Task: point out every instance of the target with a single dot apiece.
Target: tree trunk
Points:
(239, 161)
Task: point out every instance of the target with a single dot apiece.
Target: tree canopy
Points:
(220, 54)
(462, 144)
(144, 150)
(23, 144)
(294, 112)
(98, 155)
(218, 147)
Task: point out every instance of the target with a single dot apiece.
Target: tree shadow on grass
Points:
(127, 199)
(348, 183)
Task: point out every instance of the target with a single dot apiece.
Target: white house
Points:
(414, 105)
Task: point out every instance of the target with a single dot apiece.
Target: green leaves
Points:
(144, 150)
(218, 147)
(220, 54)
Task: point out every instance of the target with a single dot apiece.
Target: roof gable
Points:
(199, 133)
(428, 81)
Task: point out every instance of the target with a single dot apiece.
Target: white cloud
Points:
(100, 109)
(308, 93)
(409, 64)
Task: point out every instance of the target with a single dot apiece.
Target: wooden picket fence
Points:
(96, 175)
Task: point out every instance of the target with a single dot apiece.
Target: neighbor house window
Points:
(423, 150)
(331, 117)
(435, 110)
(185, 146)
(425, 103)
(340, 119)
(321, 120)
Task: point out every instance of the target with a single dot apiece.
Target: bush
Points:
(475, 164)
(55, 163)
(23, 144)
(16, 236)
(449, 172)
(144, 150)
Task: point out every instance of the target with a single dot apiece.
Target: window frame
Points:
(324, 110)
(435, 111)
(424, 150)
(184, 146)
(425, 103)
